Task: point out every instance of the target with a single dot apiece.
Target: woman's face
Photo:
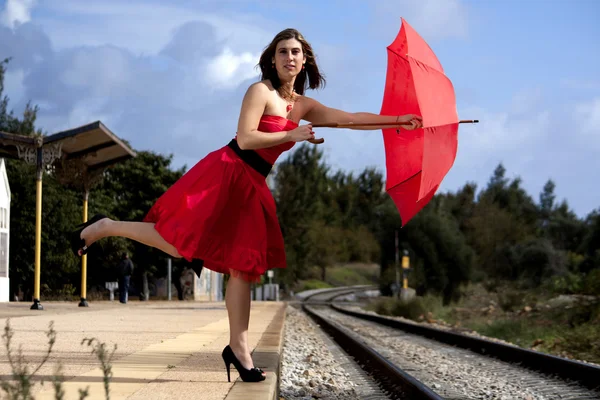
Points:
(289, 58)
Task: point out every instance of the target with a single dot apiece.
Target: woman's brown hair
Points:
(310, 71)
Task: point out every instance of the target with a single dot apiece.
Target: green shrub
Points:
(569, 283)
(575, 283)
(312, 284)
(419, 307)
(414, 309)
(411, 310)
(382, 305)
(591, 283)
(510, 300)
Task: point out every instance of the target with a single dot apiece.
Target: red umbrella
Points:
(417, 161)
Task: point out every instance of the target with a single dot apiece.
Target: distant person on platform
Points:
(125, 272)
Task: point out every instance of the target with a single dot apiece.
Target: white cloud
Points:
(501, 131)
(588, 118)
(228, 70)
(144, 27)
(101, 69)
(16, 12)
(517, 140)
(537, 145)
(89, 110)
(215, 48)
(13, 84)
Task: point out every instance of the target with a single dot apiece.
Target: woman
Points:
(221, 212)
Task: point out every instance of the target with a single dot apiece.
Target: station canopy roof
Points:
(93, 143)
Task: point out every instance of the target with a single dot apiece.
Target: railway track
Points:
(414, 361)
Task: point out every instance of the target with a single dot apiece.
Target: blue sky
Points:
(169, 77)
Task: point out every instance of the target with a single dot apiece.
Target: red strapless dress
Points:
(222, 211)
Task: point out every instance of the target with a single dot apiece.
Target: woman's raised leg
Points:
(142, 232)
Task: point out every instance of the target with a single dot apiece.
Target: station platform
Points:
(165, 349)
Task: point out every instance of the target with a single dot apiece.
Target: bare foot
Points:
(95, 231)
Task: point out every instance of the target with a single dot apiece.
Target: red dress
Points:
(222, 211)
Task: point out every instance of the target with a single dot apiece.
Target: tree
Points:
(448, 260)
(370, 195)
(327, 245)
(462, 204)
(547, 202)
(497, 181)
(301, 191)
(491, 230)
(565, 229)
(344, 192)
(509, 195)
(590, 245)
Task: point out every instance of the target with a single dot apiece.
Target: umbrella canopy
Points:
(417, 161)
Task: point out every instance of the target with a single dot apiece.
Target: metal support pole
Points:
(169, 279)
(39, 155)
(397, 264)
(83, 302)
(405, 267)
(38, 232)
(209, 281)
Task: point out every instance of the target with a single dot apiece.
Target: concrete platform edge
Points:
(266, 355)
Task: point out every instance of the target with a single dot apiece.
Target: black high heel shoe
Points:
(247, 375)
(196, 265)
(77, 243)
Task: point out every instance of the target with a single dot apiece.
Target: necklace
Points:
(289, 98)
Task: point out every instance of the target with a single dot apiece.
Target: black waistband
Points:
(251, 158)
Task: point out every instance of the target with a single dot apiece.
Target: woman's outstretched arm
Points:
(317, 113)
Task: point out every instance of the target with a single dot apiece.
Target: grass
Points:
(565, 326)
(340, 275)
(21, 384)
(572, 332)
(312, 284)
(352, 274)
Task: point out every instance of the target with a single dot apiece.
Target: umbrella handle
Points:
(387, 124)
(351, 125)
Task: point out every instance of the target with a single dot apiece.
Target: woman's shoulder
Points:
(304, 100)
(263, 86)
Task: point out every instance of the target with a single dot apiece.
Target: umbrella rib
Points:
(430, 66)
(441, 125)
(416, 59)
(407, 179)
(434, 70)
(392, 51)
